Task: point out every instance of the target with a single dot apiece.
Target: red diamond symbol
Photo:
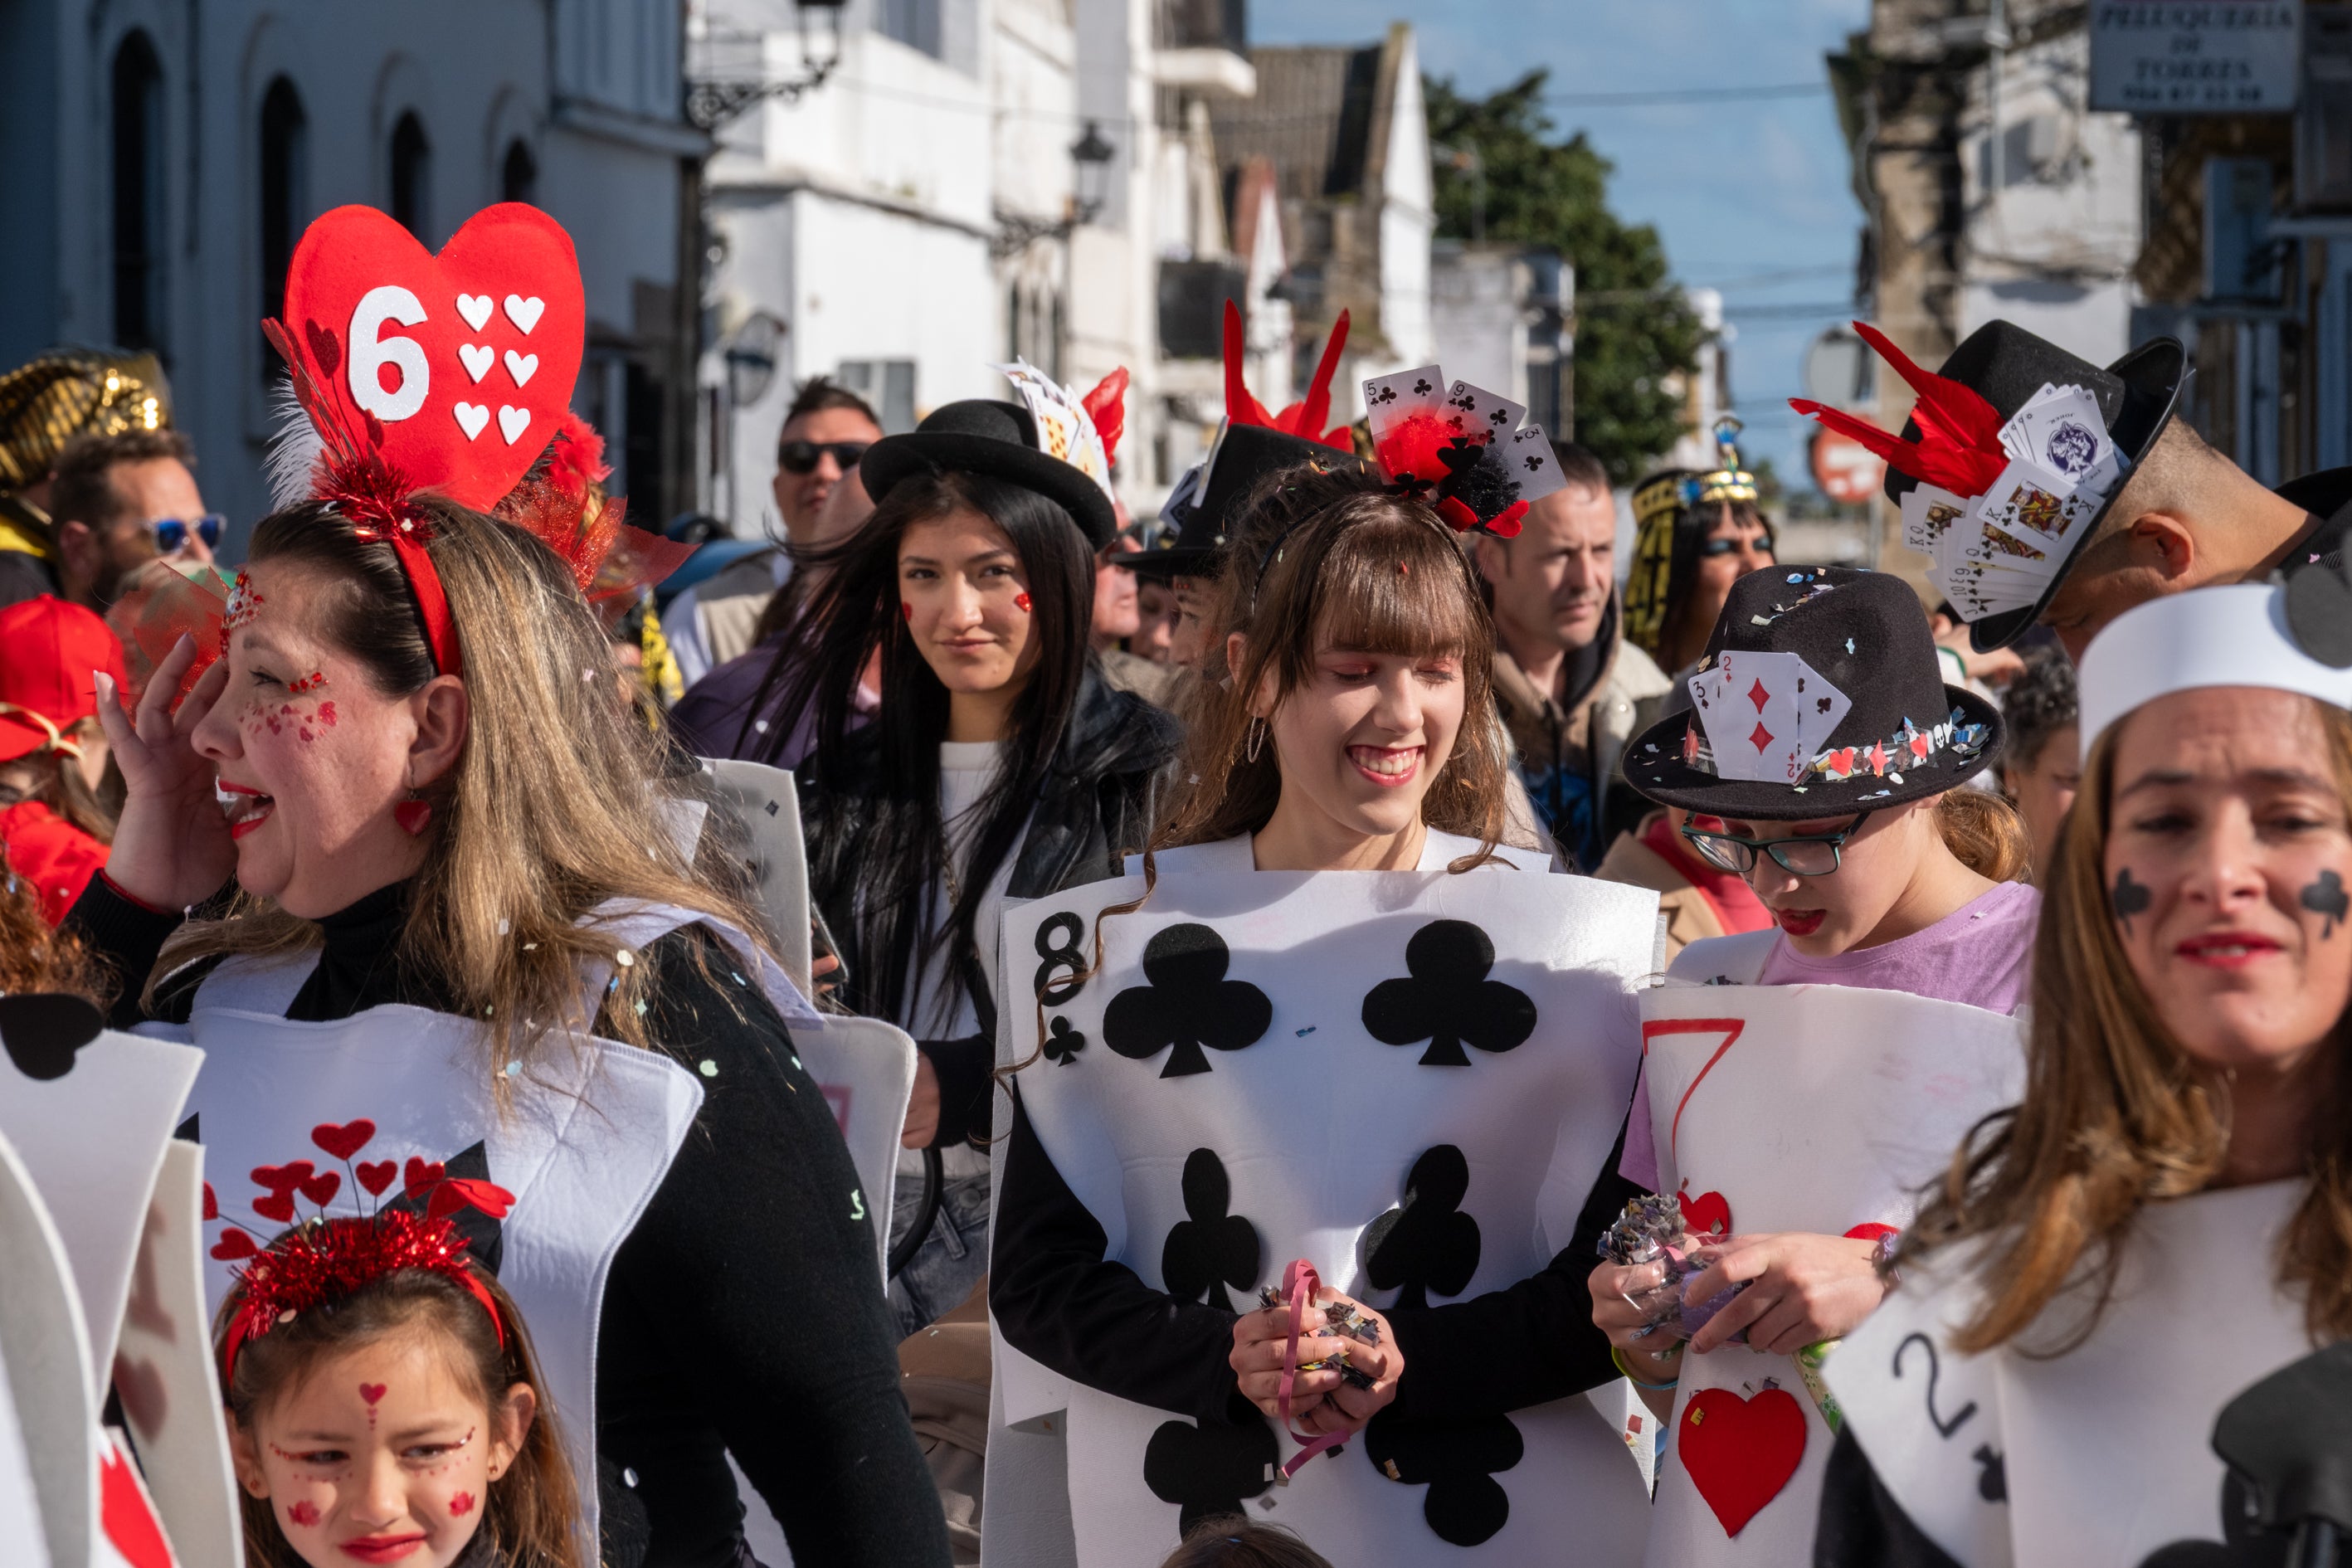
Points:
(1758, 696)
(1761, 737)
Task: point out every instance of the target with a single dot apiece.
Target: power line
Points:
(1682, 95)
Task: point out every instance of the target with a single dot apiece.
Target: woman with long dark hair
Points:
(1000, 764)
(1695, 535)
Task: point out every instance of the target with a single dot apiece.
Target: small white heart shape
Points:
(477, 358)
(519, 366)
(524, 313)
(471, 419)
(475, 308)
(513, 422)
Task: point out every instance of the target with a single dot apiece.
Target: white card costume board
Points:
(2098, 1457)
(93, 1137)
(1305, 1042)
(1793, 1108)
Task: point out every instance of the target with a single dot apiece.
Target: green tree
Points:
(1635, 334)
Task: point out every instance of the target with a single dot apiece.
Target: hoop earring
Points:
(1258, 728)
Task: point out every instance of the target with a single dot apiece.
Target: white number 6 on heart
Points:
(371, 353)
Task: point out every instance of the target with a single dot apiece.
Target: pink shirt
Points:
(1982, 955)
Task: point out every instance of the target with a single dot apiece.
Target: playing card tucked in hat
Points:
(2011, 459)
(1052, 442)
(1820, 693)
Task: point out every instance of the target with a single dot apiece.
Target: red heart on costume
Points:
(211, 1203)
(383, 322)
(1707, 1214)
(283, 1178)
(371, 1392)
(421, 1175)
(279, 1206)
(378, 1176)
(234, 1243)
(321, 1188)
(1740, 1452)
(1871, 1231)
(343, 1142)
(450, 1196)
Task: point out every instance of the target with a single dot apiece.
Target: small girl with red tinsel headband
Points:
(382, 1393)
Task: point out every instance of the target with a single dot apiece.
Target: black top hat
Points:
(982, 436)
(1906, 735)
(1242, 456)
(2006, 366)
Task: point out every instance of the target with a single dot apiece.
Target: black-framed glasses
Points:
(1812, 855)
(800, 456)
(172, 533)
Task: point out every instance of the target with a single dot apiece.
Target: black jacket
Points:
(1094, 807)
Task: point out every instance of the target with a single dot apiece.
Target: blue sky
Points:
(1750, 195)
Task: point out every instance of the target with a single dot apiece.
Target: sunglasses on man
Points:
(172, 533)
(800, 456)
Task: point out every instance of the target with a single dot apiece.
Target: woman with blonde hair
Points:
(401, 862)
(2162, 1221)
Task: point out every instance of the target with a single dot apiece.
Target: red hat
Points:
(47, 650)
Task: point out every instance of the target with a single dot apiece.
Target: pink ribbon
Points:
(1300, 1285)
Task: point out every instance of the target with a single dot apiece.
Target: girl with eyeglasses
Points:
(1822, 734)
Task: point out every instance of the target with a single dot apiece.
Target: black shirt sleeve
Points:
(1861, 1525)
(1059, 1301)
(745, 1313)
(1451, 1369)
(127, 937)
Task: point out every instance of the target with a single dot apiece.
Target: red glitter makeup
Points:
(1021, 601)
(461, 1505)
(303, 1513)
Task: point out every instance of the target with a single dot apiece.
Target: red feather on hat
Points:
(1303, 418)
(1958, 447)
(1107, 406)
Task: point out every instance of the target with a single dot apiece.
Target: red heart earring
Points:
(412, 813)
(1021, 600)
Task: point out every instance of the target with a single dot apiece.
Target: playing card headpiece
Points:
(1820, 693)
(1460, 449)
(2240, 634)
(322, 1260)
(2011, 457)
(1054, 441)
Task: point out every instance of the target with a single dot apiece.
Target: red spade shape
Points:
(422, 1175)
(377, 1176)
(279, 1206)
(321, 1188)
(211, 1203)
(381, 321)
(234, 1245)
(1707, 1213)
(343, 1142)
(123, 1512)
(1740, 1452)
(283, 1178)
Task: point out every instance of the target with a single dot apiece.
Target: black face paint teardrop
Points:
(2326, 897)
(2130, 899)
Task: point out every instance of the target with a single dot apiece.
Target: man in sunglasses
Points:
(118, 503)
(826, 430)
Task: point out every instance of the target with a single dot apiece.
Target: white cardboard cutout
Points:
(20, 1505)
(1316, 1124)
(47, 1357)
(93, 1140)
(764, 801)
(2104, 1454)
(1794, 1108)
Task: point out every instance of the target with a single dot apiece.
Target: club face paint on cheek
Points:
(2130, 899)
(2325, 897)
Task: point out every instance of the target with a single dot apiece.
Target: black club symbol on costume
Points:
(1062, 1043)
(1384, 395)
(1213, 1247)
(1420, 387)
(1188, 1004)
(1214, 1468)
(1426, 1243)
(1534, 462)
(1457, 1460)
(1449, 1001)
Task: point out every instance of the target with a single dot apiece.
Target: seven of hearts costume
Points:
(1411, 1079)
(1813, 1108)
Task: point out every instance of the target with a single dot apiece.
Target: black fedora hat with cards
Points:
(1820, 693)
(2011, 457)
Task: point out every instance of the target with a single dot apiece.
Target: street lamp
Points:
(711, 101)
(1016, 232)
(1092, 154)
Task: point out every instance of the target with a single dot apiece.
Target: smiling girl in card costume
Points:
(1822, 733)
(1355, 734)
(460, 941)
(383, 1402)
(1000, 764)
(2161, 1222)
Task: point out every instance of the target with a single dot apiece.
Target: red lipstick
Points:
(382, 1548)
(1800, 922)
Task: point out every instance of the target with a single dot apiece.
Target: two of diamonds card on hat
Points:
(1766, 714)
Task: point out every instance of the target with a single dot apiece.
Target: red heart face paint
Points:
(461, 1505)
(906, 610)
(303, 1513)
(1021, 600)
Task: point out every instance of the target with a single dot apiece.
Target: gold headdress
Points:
(67, 393)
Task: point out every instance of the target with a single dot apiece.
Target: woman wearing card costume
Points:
(1899, 948)
(1408, 1081)
(1000, 764)
(2109, 1270)
(462, 944)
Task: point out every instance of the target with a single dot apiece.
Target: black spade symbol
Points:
(1449, 1001)
(2326, 897)
(1993, 1475)
(1426, 1243)
(1457, 1460)
(1062, 1043)
(1212, 1245)
(1211, 1468)
(2131, 897)
(1188, 1004)
(43, 1031)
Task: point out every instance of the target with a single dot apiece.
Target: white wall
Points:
(1407, 223)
